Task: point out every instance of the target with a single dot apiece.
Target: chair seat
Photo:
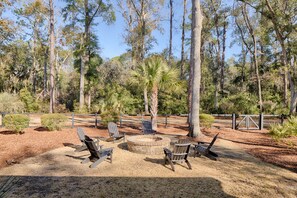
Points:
(204, 149)
(179, 154)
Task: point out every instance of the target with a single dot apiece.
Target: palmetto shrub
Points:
(206, 120)
(53, 121)
(109, 116)
(16, 122)
(289, 128)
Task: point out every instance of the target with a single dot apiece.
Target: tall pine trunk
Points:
(170, 31)
(182, 60)
(196, 60)
(52, 58)
(85, 56)
(223, 54)
(255, 54)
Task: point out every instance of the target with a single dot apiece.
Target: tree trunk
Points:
(243, 52)
(143, 30)
(293, 104)
(223, 55)
(82, 83)
(284, 58)
(85, 56)
(34, 59)
(170, 31)
(52, 58)
(44, 78)
(190, 81)
(258, 76)
(183, 41)
(196, 29)
(146, 106)
(154, 107)
(89, 100)
(255, 54)
(216, 96)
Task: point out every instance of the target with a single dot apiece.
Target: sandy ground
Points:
(58, 173)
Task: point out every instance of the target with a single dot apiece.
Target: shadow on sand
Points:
(67, 186)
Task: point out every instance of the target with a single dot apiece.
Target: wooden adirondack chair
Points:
(97, 155)
(147, 127)
(179, 154)
(114, 132)
(81, 135)
(200, 149)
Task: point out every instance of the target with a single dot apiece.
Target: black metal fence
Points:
(221, 120)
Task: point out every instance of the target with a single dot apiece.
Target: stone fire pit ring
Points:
(148, 144)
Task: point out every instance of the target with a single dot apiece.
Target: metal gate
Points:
(250, 122)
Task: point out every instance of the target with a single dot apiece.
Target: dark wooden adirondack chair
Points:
(179, 154)
(147, 127)
(81, 135)
(203, 148)
(114, 132)
(97, 155)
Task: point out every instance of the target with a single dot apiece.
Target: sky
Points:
(111, 39)
(111, 36)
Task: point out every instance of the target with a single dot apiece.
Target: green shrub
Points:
(206, 120)
(109, 116)
(30, 104)
(53, 121)
(16, 122)
(10, 103)
(241, 103)
(289, 128)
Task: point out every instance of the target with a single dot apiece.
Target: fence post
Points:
(261, 121)
(96, 121)
(2, 121)
(72, 120)
(247, 122)
(166, 121)
(282, 117)
(120, 120)
(233, 121)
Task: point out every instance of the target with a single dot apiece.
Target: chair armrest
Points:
(167, 151)
(203, 142)
(105, 150)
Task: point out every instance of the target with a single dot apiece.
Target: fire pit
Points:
(148, 144)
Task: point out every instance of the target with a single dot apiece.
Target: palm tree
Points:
(139, 78)
(156, 74)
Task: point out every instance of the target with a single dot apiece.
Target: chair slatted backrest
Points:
(181, 150)
(92, 147)
(81, 134)
(147, 127)
(212, 142)
(113, 129)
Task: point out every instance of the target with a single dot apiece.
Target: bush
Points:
(206, 120)
(288, 129)
(53, 121)
(16, 122)
(28, 100)
(109, 116)
(10, 103)
(241, 103)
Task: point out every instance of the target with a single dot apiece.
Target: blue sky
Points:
(111, 39)
(111, 36)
